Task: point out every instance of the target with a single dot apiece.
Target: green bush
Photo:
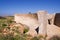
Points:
(26, 30)
(4, 24)
(10, 21)
(34, 38)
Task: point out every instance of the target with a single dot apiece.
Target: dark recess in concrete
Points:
(57, 19)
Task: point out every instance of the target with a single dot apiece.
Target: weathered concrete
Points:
(51, 18)
(39, 20)
(42, 19)
(30, 20)
(52, 30)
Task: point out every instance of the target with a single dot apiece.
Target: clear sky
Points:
(11, 7)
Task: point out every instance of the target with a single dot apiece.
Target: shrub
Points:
(4, 24)
(10, 21)
(18, 37)
(6, 37)
(55, 38)
(34, 38)
(26, 30)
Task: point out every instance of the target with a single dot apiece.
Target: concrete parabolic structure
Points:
(47, 24)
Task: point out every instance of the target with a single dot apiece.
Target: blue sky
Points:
(11, 7)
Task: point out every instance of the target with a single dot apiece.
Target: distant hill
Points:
(2, 17)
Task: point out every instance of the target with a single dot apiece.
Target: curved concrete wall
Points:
(35, 20)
